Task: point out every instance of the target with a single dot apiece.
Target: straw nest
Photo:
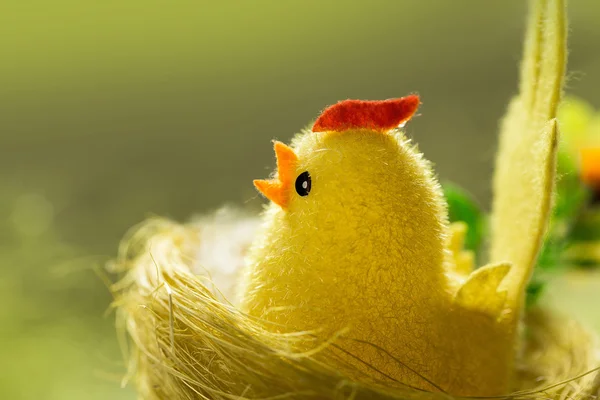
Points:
(183, 340)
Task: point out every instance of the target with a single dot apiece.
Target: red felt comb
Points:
(381, 115)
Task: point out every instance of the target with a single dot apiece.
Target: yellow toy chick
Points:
(356, 282)
(356, 246)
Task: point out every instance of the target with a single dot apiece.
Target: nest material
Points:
(185, 342)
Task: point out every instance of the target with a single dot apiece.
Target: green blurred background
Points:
(115, 110)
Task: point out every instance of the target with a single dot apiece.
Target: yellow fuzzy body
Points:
(364, 255)
(369, 249)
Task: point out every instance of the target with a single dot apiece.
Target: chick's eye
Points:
(303, 183)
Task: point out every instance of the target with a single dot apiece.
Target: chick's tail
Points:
(526, 162)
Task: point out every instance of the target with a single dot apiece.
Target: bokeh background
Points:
(116, 110)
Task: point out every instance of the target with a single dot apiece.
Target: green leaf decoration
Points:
(463, 207)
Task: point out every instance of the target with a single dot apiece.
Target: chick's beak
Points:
(278, 190)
